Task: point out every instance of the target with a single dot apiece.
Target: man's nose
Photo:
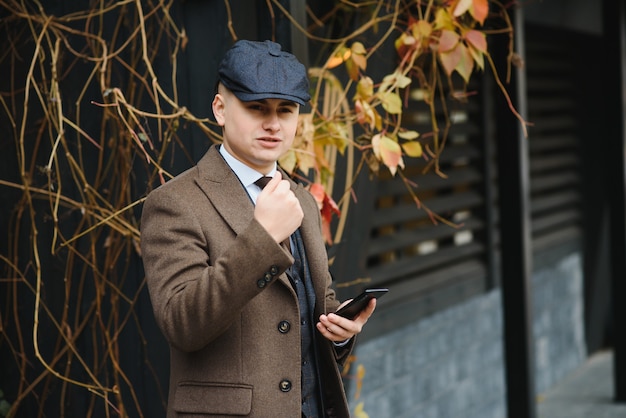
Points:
(271, 122)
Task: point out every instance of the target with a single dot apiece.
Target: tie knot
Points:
(262, 182)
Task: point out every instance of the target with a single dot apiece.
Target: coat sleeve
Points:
(196, 290)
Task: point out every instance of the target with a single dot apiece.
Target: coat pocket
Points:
(213, 398)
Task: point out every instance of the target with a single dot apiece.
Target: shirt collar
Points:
(247, 176)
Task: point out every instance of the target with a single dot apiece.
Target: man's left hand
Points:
(338, 329)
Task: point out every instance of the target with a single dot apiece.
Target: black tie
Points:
(262, 182)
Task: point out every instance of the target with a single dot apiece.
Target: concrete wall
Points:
(451, 365)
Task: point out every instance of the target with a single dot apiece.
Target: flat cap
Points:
(255, 70)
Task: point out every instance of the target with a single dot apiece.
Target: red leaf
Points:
(327, 206)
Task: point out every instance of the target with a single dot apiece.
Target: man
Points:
(237, 272)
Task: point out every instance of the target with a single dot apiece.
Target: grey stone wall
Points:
(451, 364)
(558, 320)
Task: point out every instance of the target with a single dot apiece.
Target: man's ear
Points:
(218, 109)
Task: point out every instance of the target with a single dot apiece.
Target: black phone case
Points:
(359, 303)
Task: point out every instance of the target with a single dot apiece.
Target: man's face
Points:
(256, 133)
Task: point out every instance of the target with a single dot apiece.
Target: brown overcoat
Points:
(224, 303)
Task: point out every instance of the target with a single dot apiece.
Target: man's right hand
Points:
(278, 209)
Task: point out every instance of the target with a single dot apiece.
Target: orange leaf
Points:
(338, 57)
(388, 151)
(480, 10)
(450, 59)
(353, 69)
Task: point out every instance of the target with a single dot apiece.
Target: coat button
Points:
(284, 327)
(261, 283)
(273, 270)
(268, 277)
(285, 385)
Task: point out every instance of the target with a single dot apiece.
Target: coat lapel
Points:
(224, 190)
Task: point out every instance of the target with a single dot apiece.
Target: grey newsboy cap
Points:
(255, 70)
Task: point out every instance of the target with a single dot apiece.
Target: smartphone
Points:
(356, 305)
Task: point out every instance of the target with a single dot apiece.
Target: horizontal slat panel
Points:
(550, 239)
(554, 181)
(555, 201)
(405, 213)
(431, 181)
(405, 238)
(562, 160)
(543, 85)
(563, 218)
(555, 142)
(556, 123)
(412, 265)
(551, 104)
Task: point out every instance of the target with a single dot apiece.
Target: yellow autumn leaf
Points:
(412, 149)
(288, 161)
(365, 113)
(466, 63)
(421, 30)
(394, 80)
(408, 135)
(479, 57)
(391, 102)
(365, 88)
(360, 373)
(359, 412)
(358, 48)
(443, 20)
